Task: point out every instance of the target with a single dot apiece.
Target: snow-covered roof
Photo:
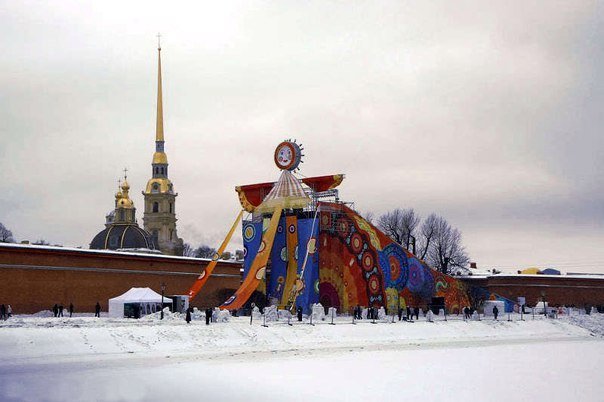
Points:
(109, 252)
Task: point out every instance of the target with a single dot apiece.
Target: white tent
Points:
(146, 299)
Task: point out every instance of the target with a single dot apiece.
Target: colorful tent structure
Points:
(550, 271)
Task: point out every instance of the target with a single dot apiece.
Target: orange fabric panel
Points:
(205, 275)
(291, 225)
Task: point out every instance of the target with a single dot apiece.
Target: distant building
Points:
(160, 199)
(121, 230)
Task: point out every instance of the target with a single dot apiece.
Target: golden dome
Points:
(159, 185)
(125, 187)
(160, 157)
(125, 203)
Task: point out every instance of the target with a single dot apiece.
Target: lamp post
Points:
(543, 300)
(163, 289)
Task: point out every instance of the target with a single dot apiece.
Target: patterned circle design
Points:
(325, 219)
(279, 229)
(245, 251)
(416, 276)
(356, 242)
(292, 228)
(316, 286)
(284, 254)
(374, 285)
(395, 265)
(367, 261)
(262, 246)
(249, 232)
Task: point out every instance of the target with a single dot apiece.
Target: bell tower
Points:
(159, 218)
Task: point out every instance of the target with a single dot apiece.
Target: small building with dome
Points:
(121, 229)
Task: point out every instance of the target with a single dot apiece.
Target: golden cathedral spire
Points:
(160, 198)
(159, 126)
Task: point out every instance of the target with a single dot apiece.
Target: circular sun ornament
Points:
(288, 155)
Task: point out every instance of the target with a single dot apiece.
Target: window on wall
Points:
(156, 207)
(122, 215)
(155, 188)
(170, 207)
(170, 234)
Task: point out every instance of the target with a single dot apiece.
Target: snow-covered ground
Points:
(86, 358)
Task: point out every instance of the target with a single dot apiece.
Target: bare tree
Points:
(41, 242)
(400, 225)
(204, 251)
(446, 250)
(426, 236)
(188, 250)
(6, 236)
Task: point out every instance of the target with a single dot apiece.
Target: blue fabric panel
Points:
(310, 294)
(252, 235)
(278, 263)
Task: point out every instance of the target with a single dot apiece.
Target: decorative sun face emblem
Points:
(288, 155)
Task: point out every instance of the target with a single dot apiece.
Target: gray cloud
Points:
(489, 114)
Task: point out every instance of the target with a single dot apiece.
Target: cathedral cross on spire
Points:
(158, 41)
(125, 173)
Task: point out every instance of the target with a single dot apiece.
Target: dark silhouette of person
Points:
(55, 309)
(299, 311)
(3, 312)
(208, 316)
(97, 310)
(495, 311)
(188, 315)
(61, 311)
(408, 313)
(466, 312)
(400, 313)
(416, 312)
(70, 309)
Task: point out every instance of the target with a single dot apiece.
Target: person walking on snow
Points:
(208, 316)
(299, 311)
(97, 310)
(61, 311)
(55, 309)
(2, 312)
(495, 311)
(70, 309)
(188, 316)
(9, 311)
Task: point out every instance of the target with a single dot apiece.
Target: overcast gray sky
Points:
(488, 113)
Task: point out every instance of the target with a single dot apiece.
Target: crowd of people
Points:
(58, 310)
(404, 314)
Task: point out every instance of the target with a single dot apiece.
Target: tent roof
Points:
(140, 295)
(287, 192)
